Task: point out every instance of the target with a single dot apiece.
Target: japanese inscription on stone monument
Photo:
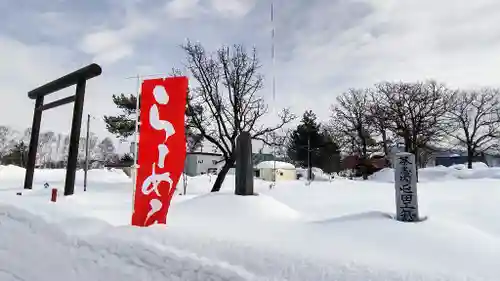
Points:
(406, 188)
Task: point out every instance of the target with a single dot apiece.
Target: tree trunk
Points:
(470, 157)
(364, 156)
(222, 175)
(415, 152)
(384, 142)
(407, 142)
(364, 169)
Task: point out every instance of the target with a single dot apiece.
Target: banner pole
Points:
(135, 167)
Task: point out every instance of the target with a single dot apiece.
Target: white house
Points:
(269, 170)
(198, 163)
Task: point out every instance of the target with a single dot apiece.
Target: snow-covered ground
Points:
(338, 230)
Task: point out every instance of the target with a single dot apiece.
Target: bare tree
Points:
(6, 140)
(193, 141)
(225, 101)
(379, 119)
(416, 112)
(476, 115)
(350, 120)
(277, 142)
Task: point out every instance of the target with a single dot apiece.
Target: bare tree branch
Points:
(349, 121)
(225, 102)
(476, 115)
(416, 111)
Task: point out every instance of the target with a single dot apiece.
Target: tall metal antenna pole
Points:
(273, 51)
(273, 71)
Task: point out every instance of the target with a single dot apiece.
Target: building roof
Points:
(204, 153)
(275, 164)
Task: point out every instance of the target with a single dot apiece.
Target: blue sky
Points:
(323, 46)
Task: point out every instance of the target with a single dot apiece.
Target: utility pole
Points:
(184, 182)
(309, 168)
(87, 148)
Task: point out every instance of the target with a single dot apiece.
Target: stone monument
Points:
(244, 165)
(405, 180)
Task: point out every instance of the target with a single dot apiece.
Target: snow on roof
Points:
(377, 153)
(275, 164)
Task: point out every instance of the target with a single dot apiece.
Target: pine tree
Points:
(324, 151)
(329, 154)
(123, 125)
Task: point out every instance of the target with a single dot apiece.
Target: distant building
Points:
(451, 160)
(443, 156)
(198, 163)
(270, 170)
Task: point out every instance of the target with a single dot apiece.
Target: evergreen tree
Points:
(324, 151)
(328, 153)
(307, 131)
(127, 158)
(123, 125)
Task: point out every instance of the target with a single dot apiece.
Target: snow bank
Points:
(338, 230)
(94, 175)
(231, 209)
(203, 184)
(440, 173)
(12, 177)
(31, 249)
(11, 172)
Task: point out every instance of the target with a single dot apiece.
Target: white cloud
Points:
(455, 42)
(179, 9)
(111, 45)
(27, 66)
(114, 54)
(23, 68)
(182, 8)
(323, 47)
(233, 8)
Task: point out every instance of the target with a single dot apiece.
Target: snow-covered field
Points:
(338, 230)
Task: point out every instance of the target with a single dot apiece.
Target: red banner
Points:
(161, 148)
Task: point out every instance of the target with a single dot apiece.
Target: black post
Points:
(74, 139)
(244, 167)
(86, 154)
(35, 132)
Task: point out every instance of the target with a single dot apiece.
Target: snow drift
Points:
(211, 209)
(13, 176)
(31, 249)
(440, 173)
(338, 230)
